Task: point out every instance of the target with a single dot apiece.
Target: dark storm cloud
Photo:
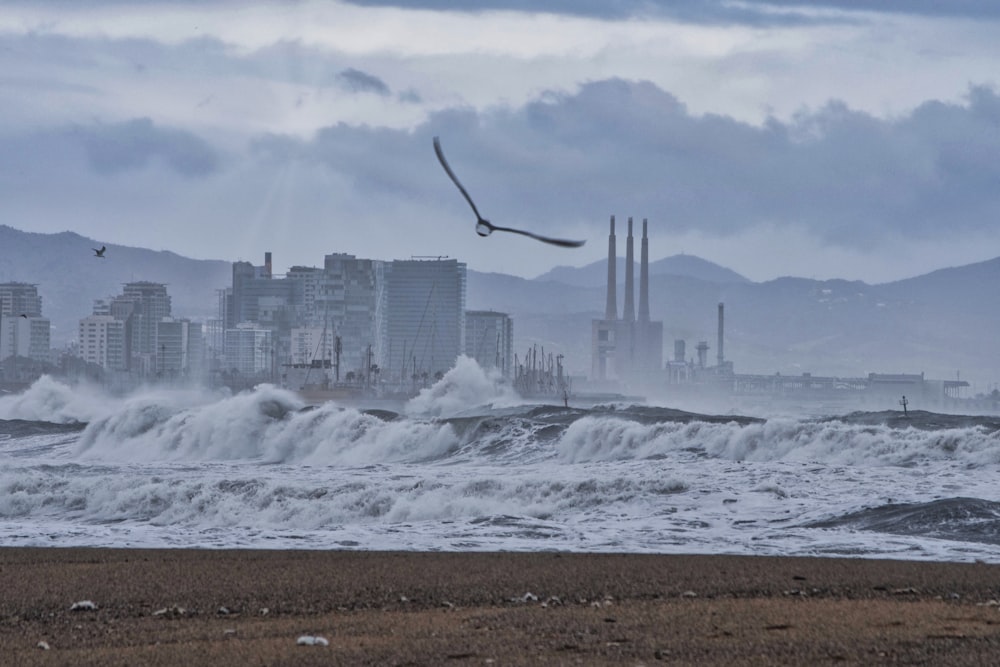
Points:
(988, 9)
(357, 81)
(135, 143)
(850, 178)
(708, 11)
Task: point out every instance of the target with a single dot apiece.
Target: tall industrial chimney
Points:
(644, 277)
(629, 314)
(611, 311)
(721, 357)
(267, 264)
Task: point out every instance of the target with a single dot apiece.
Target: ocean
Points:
(468, 466)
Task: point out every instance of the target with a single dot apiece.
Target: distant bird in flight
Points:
(99, 253)
(483, 226)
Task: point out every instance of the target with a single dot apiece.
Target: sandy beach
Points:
(229, 607)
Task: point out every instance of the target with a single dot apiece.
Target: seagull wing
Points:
(564, 243)
(545, 239)
(451, 175)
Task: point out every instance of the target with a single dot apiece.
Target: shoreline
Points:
(228, 607)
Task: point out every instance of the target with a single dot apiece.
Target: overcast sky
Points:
(822, 139)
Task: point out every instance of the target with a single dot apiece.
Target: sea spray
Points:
(465, 386)
(51, 400)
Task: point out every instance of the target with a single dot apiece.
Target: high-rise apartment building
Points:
(23, 330)
(141, 306)
(20, 298)
(348, 303)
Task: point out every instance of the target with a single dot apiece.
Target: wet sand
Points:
(191, 607)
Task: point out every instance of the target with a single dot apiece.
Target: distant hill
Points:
(70, 278)
(596, 273)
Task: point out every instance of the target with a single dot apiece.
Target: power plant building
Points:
(629, 348)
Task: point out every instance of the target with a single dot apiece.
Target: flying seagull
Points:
(483, 226)
(99, 253)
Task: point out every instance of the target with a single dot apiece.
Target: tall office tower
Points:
(424, 318)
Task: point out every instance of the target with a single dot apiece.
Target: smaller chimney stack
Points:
(611, 310)
(644, 277)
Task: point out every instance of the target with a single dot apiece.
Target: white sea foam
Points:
(611, 438)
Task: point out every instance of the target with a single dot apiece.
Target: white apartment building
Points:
(102, 342)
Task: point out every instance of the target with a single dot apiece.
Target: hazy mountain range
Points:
(943, 323)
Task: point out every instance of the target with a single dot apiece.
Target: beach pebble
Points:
(171, 611)
(309, 640)
(83, 605)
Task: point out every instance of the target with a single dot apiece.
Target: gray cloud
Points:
(710, 11)
(849, 178)
(135, 143)
(357, 81)
(410, 96)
